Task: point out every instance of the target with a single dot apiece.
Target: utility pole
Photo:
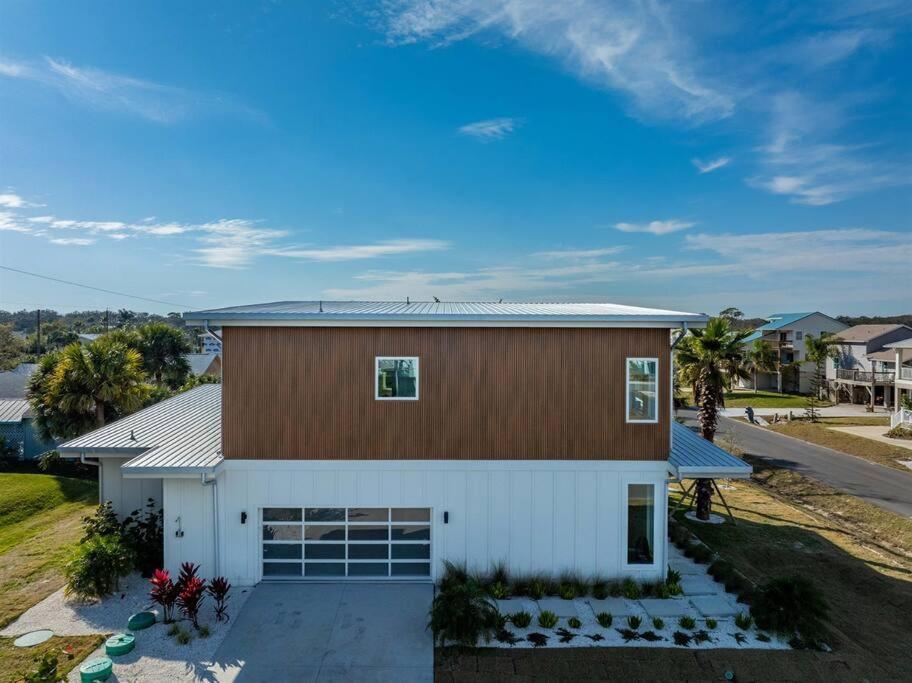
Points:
(106, 321)
(38, 336)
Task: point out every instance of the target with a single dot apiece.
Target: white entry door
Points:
(337, 543)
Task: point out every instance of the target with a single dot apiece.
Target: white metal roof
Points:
(13, 409)
(692, 456)
(180, 435)
(199, 362)
(440, 313)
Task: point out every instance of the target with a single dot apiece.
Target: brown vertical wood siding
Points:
(298, 393)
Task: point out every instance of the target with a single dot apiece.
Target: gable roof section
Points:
(692, 456)
(13, 409)
(777, 321)
(862, 334)
(180, 435)
(441, 313)
(14, 383)
(200, 362)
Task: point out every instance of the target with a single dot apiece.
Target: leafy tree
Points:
(761, 357)
(85, 386)
(11, 348)
(731, 314)
(709, 360)
(125, 317)
(163, 348)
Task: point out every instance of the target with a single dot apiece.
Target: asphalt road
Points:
(882, 486)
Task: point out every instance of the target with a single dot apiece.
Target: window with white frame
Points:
(396, 378)
(640, 524)
(642, 389)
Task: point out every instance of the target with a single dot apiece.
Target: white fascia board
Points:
(446, 465)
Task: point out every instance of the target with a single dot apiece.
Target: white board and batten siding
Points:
(126, 495)
(536, 516)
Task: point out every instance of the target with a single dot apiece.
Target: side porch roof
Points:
(693, 457)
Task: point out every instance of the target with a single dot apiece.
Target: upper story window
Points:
(642, 390)
(396, 378)
(799, 335)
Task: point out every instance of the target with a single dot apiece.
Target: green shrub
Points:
(615, 589)
(687, 622)
(701, 636)
(674, 589)
(547, 619)
(699, 553)
(143, 533)
(791, 605)
(573, 622)
(499, 591)
(500, 574)
(604, 619)
(673, 576)
(571, 581)
(658, 624)
(634, 621)
(566, 591)
(462, 614)
(651, 636)
(96, 567)
(681, 638)
(599, 589)
(453, 575)
(537, 639)
(174, 630)
(744, 621)
(519, 586)
(663, 591)
(204, 631)
(630, 589)
(721, 570)
(45, 670)
(537, 588)
(521, 619)
(183, 636)
(711, 624)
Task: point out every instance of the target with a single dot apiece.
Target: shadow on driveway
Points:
(329, 632)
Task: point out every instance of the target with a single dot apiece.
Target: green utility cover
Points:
(33, 638)
(119, 644)
(98, 669)
(141, 620)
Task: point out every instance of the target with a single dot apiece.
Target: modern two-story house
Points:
(865, 366)
(353, 441)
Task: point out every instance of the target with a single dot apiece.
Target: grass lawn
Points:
(761, 399)
(875, 451)
(17, 661)
(39, 525)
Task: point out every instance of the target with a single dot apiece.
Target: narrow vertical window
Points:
(396, 379)
(640, 523)
(642, 389)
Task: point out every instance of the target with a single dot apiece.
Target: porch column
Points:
(897, 355)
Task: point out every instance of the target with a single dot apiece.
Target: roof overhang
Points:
(693, 457)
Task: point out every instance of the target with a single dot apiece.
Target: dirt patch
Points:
(15, 662)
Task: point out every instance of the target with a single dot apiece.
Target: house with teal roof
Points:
(785, 333)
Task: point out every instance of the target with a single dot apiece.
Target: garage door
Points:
(366, 542)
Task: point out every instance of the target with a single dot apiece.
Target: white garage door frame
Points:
(305, 536)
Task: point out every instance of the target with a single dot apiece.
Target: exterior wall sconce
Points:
(243, 518)
(446, 517)
(180, 531)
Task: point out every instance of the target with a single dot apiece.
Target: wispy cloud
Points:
(579, 253)
(655, 227)
(490, 129)
(635, 47)
(14, 201)
(222, 243)
(711, 165)
(110, 91)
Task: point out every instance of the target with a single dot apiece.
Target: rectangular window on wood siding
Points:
(396, 379)
(642, 389)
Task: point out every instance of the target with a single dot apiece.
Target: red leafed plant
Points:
(164, 592)
(191, 598)
(187, 572)
(218, 589)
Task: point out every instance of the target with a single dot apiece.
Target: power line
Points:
(97, 289)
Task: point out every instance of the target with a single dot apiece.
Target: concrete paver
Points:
(717, 606)
(618, 607)
(656, 607)
(562, 608)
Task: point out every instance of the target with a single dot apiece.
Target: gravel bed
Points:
(157, 656)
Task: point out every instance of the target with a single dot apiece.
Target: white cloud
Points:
(72, 241)
(105, 90)
(711, 165)
(579, 253)
(357, 252)
(14, 201)
(655, 227)
(489, 129)
(638, 48)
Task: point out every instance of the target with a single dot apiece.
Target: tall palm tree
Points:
(761, 357)
(103, 379)
(162, 348)
(818, 350)
(709, 360)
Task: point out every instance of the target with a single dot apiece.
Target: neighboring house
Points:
(785, 333)
(204, 363)
(376, 440)
(864, 370)
(18, 431)
(86, 338)
(14, 383)
(209, 344)
(902, 383)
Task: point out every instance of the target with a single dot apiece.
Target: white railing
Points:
(901, 417)
(905, 373)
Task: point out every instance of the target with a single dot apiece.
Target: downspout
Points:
(215, 554)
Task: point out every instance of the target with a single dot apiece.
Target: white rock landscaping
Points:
(157, 656)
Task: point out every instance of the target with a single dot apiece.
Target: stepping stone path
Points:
(656, 607)
(717, 606)
(701, 585)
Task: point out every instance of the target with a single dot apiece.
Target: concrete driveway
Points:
(329, 632)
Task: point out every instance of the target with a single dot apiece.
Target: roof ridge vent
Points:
(132, 437)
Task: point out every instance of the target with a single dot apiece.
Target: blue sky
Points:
(689, 155)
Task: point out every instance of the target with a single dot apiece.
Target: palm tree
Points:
(709, 360)
(761, 357)
(818, 350)
(102, 380)
(162, 348)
